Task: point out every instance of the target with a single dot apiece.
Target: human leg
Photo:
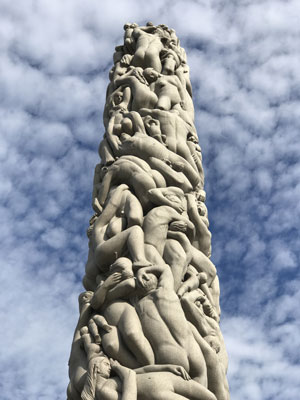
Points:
(175, 256)
(133, 335)
(132, 239)
(192, 390)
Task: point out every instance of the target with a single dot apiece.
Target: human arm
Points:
(175, 369)
(101, 292)
(128, 378)
(195, 314)
(137, 122)
(203, 233)
(121, 290)
(163, 273)
(158, 197)
(113, 140)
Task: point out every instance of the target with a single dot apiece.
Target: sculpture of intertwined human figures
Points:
(149, 319)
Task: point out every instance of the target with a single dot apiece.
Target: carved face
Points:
(151, 75)
(149, 282)
(85, 297)
(102, 366)
(118, 97)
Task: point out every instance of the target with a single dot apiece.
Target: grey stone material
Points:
(148, 325)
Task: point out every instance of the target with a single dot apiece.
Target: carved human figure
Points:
(151, 311)
(122, 210)
(153, 382)
(141, 94)
(170, 61)
(78, 361)
(183, 73)
(131, 173)
(116, 104)
(172, 251)
(193, 256)
(125, 340)
(160, 311)
(173, 128)
(216, 375)
(147, 148)
(194, 280)
(201, 314)
(156, 226)
(197, 214)
(148, 42)
(196, 153)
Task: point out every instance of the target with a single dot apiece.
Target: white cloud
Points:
(54, 72)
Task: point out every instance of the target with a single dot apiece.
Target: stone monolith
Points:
(148, 325)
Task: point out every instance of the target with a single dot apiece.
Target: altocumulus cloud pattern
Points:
(245, 68)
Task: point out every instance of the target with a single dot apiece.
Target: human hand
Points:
(126, 59)
(112, 280)
(141, 276)
(114, 364)
(180, 371)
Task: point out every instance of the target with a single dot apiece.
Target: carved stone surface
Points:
(149, 319)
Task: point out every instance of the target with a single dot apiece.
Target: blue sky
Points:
(245, 68)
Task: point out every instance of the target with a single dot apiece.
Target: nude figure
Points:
(198, 215)
(123, 122)
(194, 280)
(153, 382)
(116, 104)
(160, 311)
(199, 260)
(122, 210)
(173, 128)
(122, 335)
(173, 253)
(141, 94)
(129, 44)
(171, 196)
(183, 73)
(195, 149)
(156, 226)
(170, 61)
(112, 237)
(200, 312)
(216, 374)
(168, 89)
(78, 361)
(148, 45)
(137, 178)
(149, 149)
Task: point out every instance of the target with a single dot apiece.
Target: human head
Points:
(201, 195)
(122, 265)
(85, 297)
(148, 282)
(202, 209)
(118, 97)
(152, 125)
(101, 366)
(98, 366)
(208, 308)
(151, 74)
